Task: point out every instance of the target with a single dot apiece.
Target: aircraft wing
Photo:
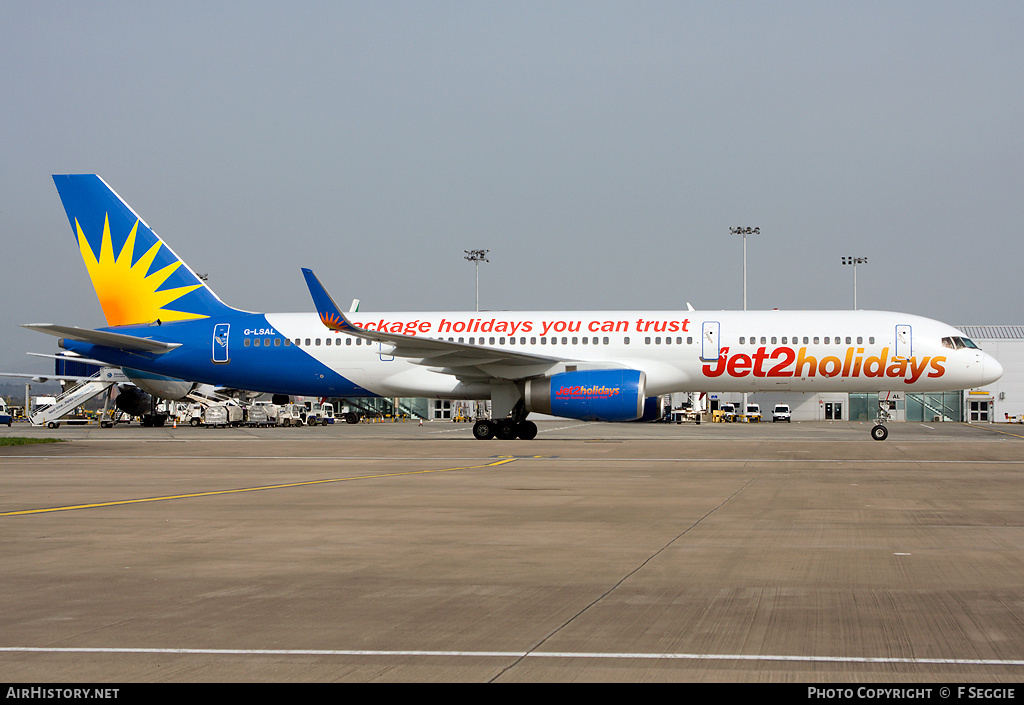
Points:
(459, 359)
(104, 338)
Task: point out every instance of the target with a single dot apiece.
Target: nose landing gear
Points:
(879, 432)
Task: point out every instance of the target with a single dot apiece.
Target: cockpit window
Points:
(956, 342)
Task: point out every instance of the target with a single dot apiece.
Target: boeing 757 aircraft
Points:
(165, 325)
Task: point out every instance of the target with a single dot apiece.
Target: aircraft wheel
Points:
(879, 432)
(506, 430)
(527, 430)
(483, 430)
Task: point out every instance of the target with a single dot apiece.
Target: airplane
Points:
(165, 325)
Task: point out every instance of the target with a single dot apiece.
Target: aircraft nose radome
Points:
(991, 370)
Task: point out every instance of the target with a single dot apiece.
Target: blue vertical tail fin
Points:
(137, 277)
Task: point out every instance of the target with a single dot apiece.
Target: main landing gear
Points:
(513, 426)
(504, 429)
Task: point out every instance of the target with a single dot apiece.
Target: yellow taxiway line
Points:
(212, 493)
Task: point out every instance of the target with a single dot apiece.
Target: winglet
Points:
(328, 311)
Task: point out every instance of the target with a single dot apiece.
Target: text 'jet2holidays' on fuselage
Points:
(166, 325)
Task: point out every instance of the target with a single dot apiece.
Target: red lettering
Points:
(779, 369)
(739, 365)
(720, 367)
(760, 356)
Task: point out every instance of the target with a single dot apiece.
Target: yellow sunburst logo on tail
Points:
(127, 294)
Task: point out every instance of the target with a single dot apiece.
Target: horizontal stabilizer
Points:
(107, 339)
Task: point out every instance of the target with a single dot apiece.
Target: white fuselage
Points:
(803, 351)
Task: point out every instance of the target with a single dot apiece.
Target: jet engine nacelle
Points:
(652, 409)
(132, 400)
(589, 395)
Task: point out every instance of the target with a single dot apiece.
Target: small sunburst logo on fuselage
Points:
(333, 321)
(128, 292)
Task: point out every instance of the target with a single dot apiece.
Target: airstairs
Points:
(67, 402)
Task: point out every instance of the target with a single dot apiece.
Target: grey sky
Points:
(600, 150)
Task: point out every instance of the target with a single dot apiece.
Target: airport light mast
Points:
(855, 261)
(476, 257)
(744, 232)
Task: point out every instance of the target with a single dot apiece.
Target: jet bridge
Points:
(99, 383)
